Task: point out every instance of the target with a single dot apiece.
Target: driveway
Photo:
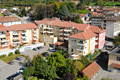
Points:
(7, 70)
(31, 53)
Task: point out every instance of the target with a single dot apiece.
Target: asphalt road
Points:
(7, 69)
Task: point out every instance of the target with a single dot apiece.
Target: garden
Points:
(11, 56)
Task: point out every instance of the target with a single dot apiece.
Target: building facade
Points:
(9, 20)
(114, 60)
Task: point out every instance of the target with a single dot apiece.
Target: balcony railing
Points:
(4, 45)
(80, 49)
(60, 29)
(35, 34)
(16, 41)
(61, 33)
(66, 34)
(67, 30)
(4, 40)
(16, 33)
(50, 28)
(16, 37)
(96, 38)
(23, 32)
(66, 38)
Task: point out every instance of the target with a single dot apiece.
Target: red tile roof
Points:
(116, 65)
(84, 35)
(4, 29)
(91, 69)
(22, 27)
(64, 44)
(1, 26)
(97, 29)
(8, 19)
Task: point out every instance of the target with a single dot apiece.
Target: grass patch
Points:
(10, 58)
(82, 11)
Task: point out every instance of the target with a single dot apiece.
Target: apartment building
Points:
(57, 33)
(114, 60)
(4, 38)
(23, 34)
(96, 19)
(82, 43)
(112, 26)
(9, 20)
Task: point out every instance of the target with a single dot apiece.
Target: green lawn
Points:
(10, 58)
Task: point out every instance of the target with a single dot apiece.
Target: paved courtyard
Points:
(31, 53)
(7, 70)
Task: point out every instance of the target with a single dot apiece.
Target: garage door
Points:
(27, 48)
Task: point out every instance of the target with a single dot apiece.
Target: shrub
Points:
(10, 54)
(34, 78)
(4, 55)
(17, 52)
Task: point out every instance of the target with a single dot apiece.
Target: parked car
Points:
(11, 62)
(45, 54)
(21, 70)
(52, 50)
(18, 58)
(35, 49)
(13, 76)
(39, 47)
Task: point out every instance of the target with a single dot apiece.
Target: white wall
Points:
(21, 49)
(11, 23)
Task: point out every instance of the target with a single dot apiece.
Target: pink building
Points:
(100, 38)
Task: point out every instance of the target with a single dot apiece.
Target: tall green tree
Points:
(56, 59)
(46, 71)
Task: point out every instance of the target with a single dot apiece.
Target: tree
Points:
(64, 12)
(46, 71)
(100, 2)
(84, 60)
(77, 19)
(77, 66)
(28, 72)
(17, 52)
(69, 76)
(23, 12)
(116, 41)
(37, 60)
(56, 59)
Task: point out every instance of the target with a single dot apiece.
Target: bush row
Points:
(10, 54)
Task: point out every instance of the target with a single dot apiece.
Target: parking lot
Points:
(31, 53)
(7, 70)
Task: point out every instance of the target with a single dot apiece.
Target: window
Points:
(75, 40)
(72, 40)
(72, 45)
(118, 58)
(71, 50)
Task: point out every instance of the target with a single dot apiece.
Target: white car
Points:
(52, 50)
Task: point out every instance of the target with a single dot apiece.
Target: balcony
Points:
(16, 41)
(4, 45)
(66, 34)
(44, 31)
(16, 37)
(35, 39)
(44, 27)
(35, 35)
(67, 30)
(2, 36)
(80, 49)
(49, 32)
(61, 33)
(16, 33)
(96, 43)
(60, 37)
(82, 43)
(50, 27)
(60, 29)
(96, 38)
(23, 32)
(66, 38)
(51, 35)
(24, 41)
(4, 40)
(35, 31)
